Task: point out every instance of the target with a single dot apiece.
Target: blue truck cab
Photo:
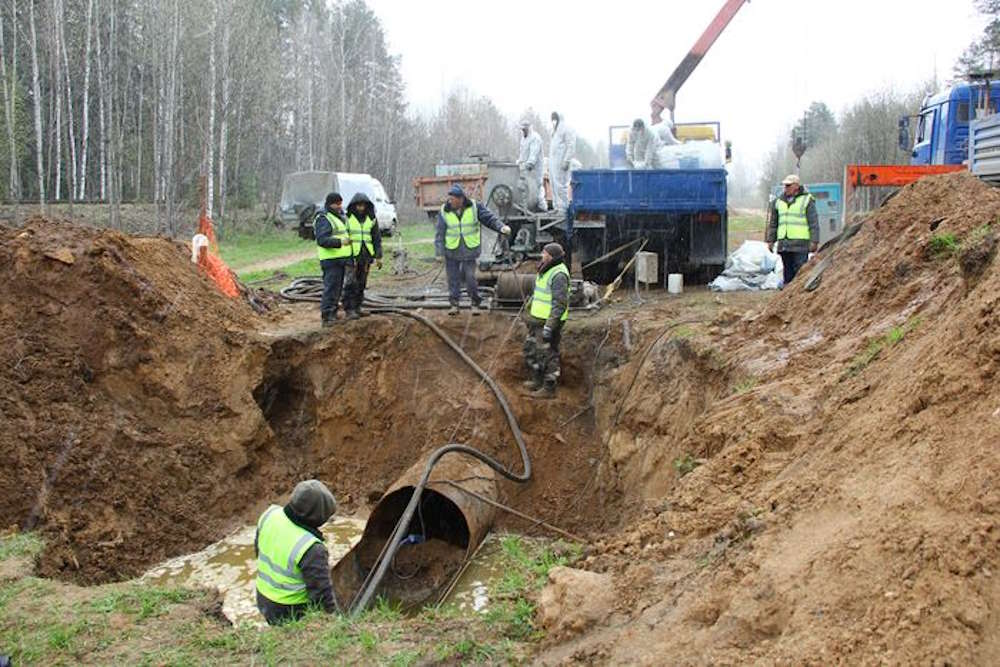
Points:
(941, 131)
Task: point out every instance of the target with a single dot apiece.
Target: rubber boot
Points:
(546, 391)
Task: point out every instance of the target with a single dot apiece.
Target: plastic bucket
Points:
(675, 283)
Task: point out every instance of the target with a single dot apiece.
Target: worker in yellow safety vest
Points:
(293, 565)
(336, 255)
(458, 242)
(793, 226)
(545, 318)
(366, 240)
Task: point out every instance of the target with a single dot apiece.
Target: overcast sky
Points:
(601, 62)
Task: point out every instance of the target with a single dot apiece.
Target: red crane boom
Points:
(667, 97)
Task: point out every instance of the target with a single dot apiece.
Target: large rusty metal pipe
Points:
(384, 562)
(447, 529)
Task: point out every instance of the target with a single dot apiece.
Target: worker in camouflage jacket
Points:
(545, 318)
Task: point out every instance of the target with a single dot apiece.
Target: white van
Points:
(303, 190)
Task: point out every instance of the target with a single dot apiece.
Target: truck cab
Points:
(940, 134)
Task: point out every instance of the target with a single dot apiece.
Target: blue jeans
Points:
(462, 272)
(792, 262)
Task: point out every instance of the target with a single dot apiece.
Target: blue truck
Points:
(680, 212)
(940, 133)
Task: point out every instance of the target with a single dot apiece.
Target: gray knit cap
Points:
(555, 250)
(312, 501)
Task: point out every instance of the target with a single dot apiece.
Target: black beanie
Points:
(555, 250)
(333, 198)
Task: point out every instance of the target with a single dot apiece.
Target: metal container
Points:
(455, 521)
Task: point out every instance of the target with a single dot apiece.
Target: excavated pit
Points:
(146, 416)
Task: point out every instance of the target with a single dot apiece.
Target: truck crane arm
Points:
(667, 97)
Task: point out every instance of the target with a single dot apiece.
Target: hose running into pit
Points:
(385, 559)
(311, 290)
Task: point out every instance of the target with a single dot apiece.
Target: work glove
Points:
(547, 333)
(813, 247)
(438, 259)
(378, 264)
(505, 230)
(565, 165)
(770, 247)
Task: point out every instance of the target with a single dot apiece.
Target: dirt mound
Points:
(120, 416)
(845, 506)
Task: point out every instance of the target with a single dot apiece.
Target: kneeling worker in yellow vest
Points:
(545, 318)
(293, 566)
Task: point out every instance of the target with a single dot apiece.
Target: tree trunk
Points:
(224, 110)
(37, 97)
(85, 111)
(169, 140)
(102, 143)
(9, 91)
(114, 147)
(61, 18)
(55, 83)
(209, 169)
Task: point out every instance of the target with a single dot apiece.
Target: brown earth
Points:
(846, 507)
(808, 479)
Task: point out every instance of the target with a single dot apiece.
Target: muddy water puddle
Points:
(230, 566)
(471, 592)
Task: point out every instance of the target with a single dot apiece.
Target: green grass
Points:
(140, 601)
(877, 346)
(241, 250)
(942, 245)
(685, 464)
(22, 545)
(44, 622)
(305, 267)
(747, 223)
(745, 385)
(417, 253)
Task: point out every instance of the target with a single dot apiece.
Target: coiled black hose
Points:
(384, 562)
(311, 290)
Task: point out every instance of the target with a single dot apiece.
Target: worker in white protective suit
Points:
(642, 151)
(561, 151)
(529, 162)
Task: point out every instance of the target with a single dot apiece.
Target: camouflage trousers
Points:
(541, 358)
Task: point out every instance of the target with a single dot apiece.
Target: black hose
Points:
(384, 562)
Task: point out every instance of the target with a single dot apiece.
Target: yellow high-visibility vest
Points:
(361, 232)
(792, 221)
(339, 232)
(465, 228)
(541, 299)
(280, 546)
